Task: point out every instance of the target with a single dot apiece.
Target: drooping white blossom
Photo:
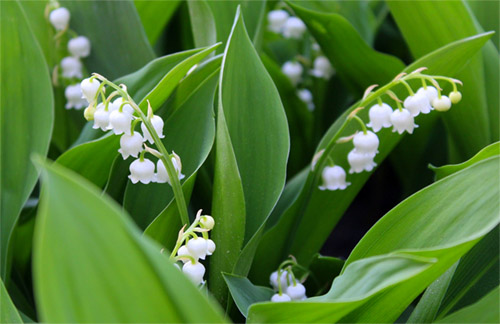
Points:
(403, 121)
(430, 92)
(79, 46)
(360, 162)
(277, 298)
(162, 174)
(293, 70)
(322, 68)
(183, 251)
(194, 271)
(306, 96)
(130, 145)
(142, 171)
(333, 178)
(366, 143)
(285, 278)
(158, 123)
(276, 20)
(197, 247)
(120, 122)
(296, 291)
(380, 116)
(442, 104)
(71, 67)
(210, 247)
(294, 28)
(418, 103)
(101, 118)
(90, 87)
(117, 103)
(59, 18)
(73, 94)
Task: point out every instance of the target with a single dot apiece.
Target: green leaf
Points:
(354, 60)
(363, 280)
(437, 26)
(155, 15)
(245, 293)
(8, 312)
(96, 267)
(120, 51)
(484, 311)
(26, 117)
(323, 270)
(446, 170)
(202, 23)
(310, 216)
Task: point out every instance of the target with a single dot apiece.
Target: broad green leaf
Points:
(437, 26)
(26, 117)
(323, 270)
(155, 15)
(354, 60)
(363, 280)
(202, 23)
(486, 13)
(8, 312)
(174, 68)
(245, 293)
(95, 266)
(119, 44)
(487, 152)
(484, 311)
(309, 218)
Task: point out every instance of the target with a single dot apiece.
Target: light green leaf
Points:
(8, 312)
(202, 23)
(155, 15)
(245, 293)
(95, 266)
(484, 311)
(26, 117)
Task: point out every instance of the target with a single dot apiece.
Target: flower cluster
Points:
(78, 47)
(382, 115)
(285, 283)
(116, 113)
(190, 248)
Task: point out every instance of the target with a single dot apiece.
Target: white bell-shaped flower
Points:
(162, 174)
(294, 28)
(455, 97)
(89, 88)
(71, 67)
(360, 162)
(59, 18)
(207, 221)
(366, 143)
(210, 247)
(157, 122)
(430, 92)
(277, 298)
(306, 96)
(79, 46)
(418, 103)
(120, 122)
(194, 271)
(442, 104)
(130, 145)
(197, 247)
(296, 291)
(276, 20)
(73, 94)
(286, 278)
(142, 171)
(101, 118)
(333, 178)
(293, 70)
(322, 68)
(117, 103)
(403, 121)
(380, 116)
(183, 251)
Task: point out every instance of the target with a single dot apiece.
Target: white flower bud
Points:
(194, 271)
(307, 97)
(294, 28)
(419, 103)
(207, 221)
(183, 251)
(89, 89)
(89, 112)
(142, 171)
(59, 18)
(442, 104)
(380, 116)
(130, 145)
(71, 68)
(277, 19)
(296, 292)
(277, 298)
(333, 178)
(162, 174)
(101, 118)
(273, 280)
(322, 68)
(360, 162)
(117, 104)
(210, 247)
(79, 46)
(366, 143)
(293, 70)
(120, 122)
(430, 92)
(158, 126)
(455, 97)
(197, 247)
(73, 94)
(403, 121)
